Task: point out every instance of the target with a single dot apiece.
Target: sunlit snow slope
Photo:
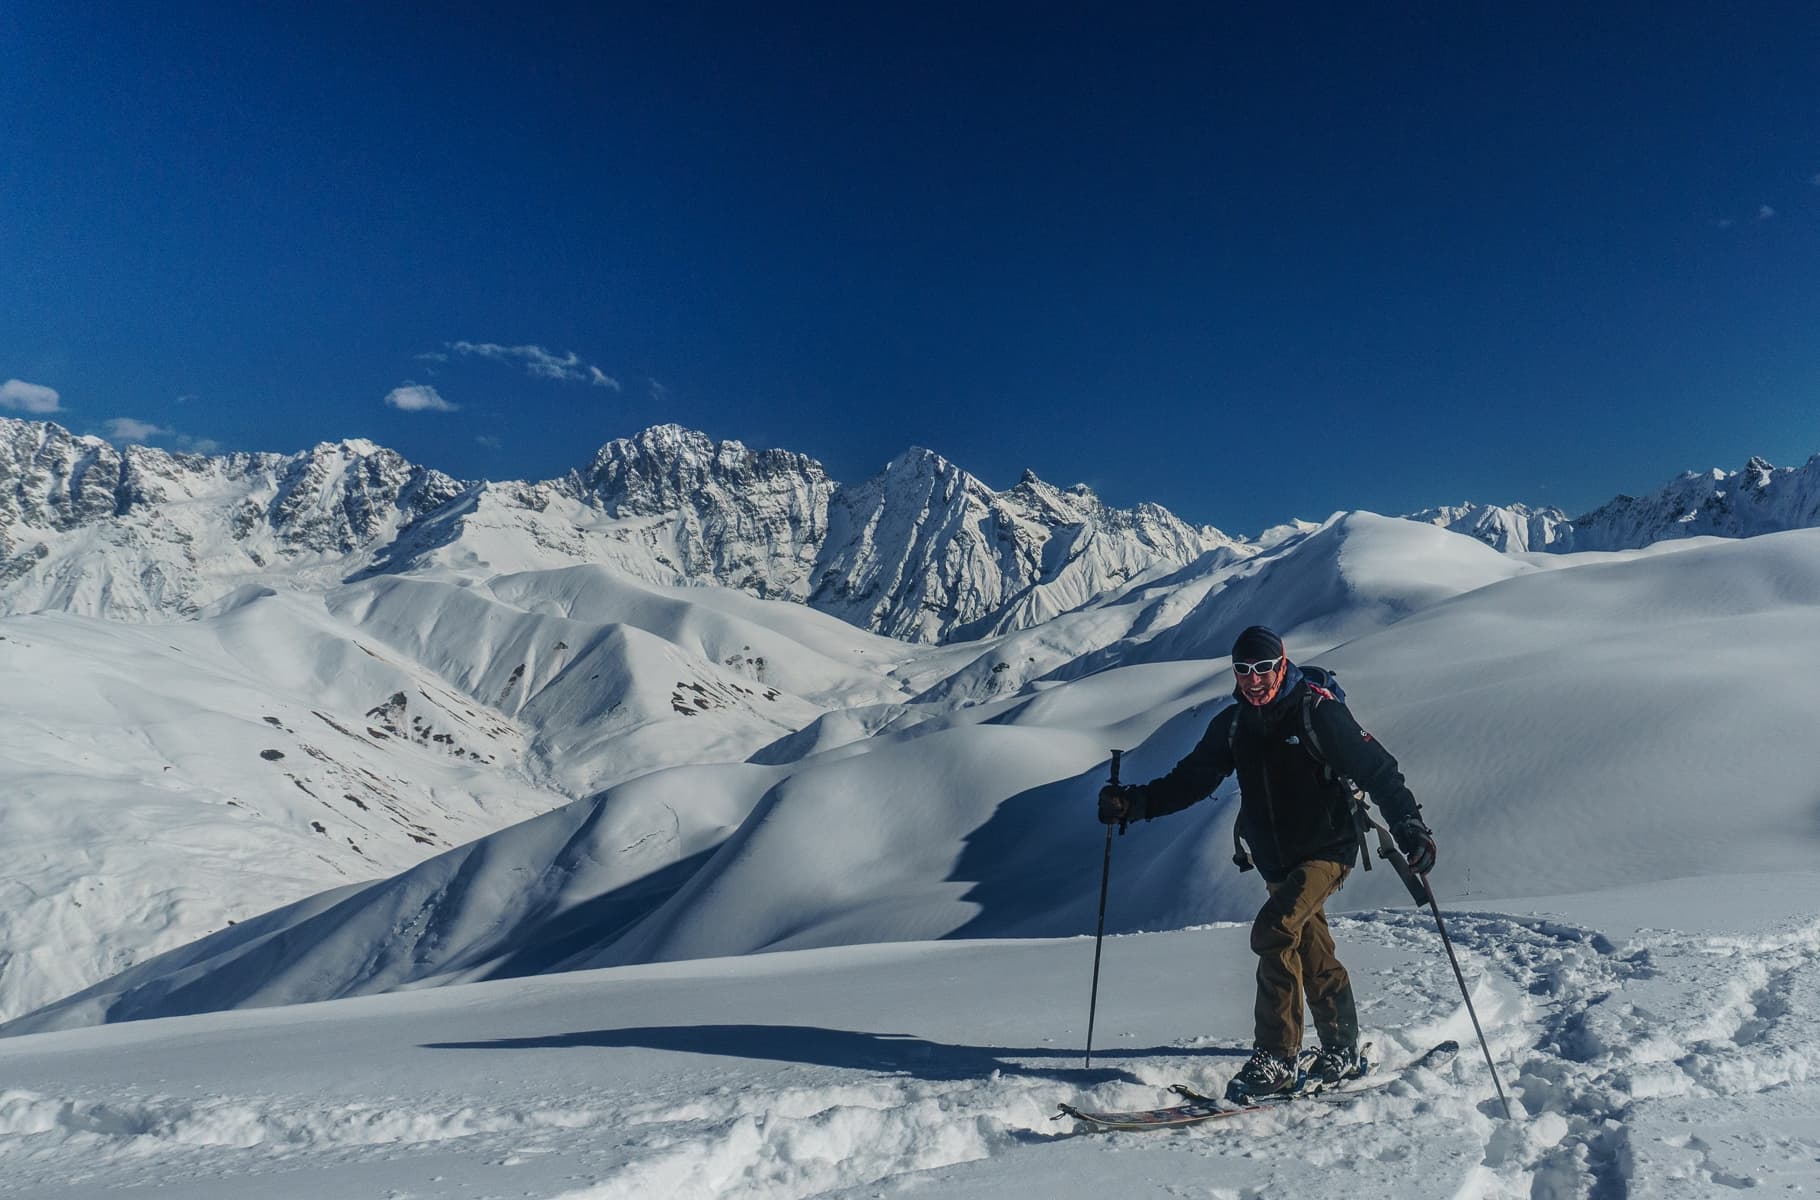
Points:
(1606, 722)
(161, 782)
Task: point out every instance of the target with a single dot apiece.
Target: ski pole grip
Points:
(1418, 886)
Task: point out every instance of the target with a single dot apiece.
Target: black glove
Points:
(1118, 804)
(1417, 844)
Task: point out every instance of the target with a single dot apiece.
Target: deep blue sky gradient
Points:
(1249, 261)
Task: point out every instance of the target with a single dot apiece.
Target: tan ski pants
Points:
(1296, 963)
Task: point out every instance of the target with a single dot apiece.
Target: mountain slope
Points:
(1577, 703)
(159, 782)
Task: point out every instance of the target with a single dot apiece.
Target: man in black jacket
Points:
(1295, 815)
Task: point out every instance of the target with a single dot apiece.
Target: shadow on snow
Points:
(814, 1046)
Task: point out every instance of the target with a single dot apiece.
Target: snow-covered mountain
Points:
(140, 534)
(975, 819)
(1503, 527)
(161, 781)
(923, 551)
(1757, 499)
(502, 777)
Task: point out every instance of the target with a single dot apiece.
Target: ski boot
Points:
(1264, 1074)
(1331, 1066)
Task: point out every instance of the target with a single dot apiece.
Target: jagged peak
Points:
(49, 431)
(671, 436)
(920, 460)
(670, 443)
(349, 448)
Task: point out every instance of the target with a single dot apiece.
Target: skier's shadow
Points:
(816, 1046)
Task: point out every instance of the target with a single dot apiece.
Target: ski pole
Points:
(1105, 877)
(1446, 941)
(1422, 893)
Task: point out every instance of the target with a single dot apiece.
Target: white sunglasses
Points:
(1256, 668)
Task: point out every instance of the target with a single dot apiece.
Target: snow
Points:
(1670, 1058)
(542, 877)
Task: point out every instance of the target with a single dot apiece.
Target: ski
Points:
(1197, 1108)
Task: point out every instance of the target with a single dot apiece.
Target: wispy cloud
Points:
(432, 356)
(131, 429)
(21, 396)
(124, 430)
(489, 441)
(417, 397)
(1765, 212)
(540, 363)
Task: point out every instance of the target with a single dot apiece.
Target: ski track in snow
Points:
(1608, 1049)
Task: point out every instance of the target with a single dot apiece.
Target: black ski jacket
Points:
(1292, 807)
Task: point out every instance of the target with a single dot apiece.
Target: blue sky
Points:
(1248, 264)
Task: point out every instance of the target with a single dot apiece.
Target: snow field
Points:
(1631, 723)
(1659, 1060)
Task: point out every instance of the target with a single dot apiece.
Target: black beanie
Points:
(1257, 644)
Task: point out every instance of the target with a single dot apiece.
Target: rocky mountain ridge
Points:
(923, 551)
(918, 551)
(1758, 498)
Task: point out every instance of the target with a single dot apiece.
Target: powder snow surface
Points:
(1675, 1058)
(721, 897)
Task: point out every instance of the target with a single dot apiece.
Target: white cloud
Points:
(1765, 212)
(540, 363)
(130, 429)
(489, 441)
(28, 397)
(659, 392)
(196, 445)
(433, 356)
(417, 397)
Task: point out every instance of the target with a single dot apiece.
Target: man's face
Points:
(1259, 681)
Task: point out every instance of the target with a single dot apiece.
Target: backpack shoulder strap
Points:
(1312, 696)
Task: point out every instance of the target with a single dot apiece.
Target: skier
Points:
(1295, 815)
